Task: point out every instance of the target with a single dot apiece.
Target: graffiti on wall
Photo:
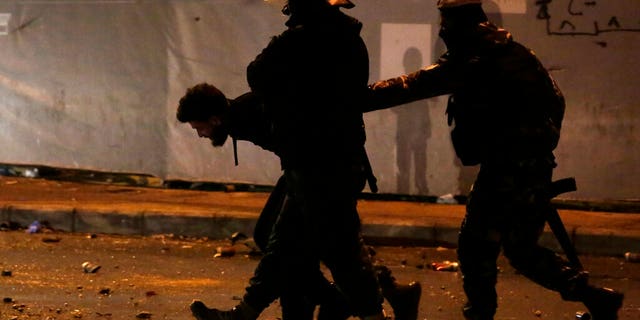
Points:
(589, 17)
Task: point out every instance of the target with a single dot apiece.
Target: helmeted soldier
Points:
(506, 112)
(319, 136)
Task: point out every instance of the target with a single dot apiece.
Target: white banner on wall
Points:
(401, 45)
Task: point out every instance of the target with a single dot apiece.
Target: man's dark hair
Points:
(201, 102)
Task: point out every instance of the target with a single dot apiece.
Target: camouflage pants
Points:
(507, 211)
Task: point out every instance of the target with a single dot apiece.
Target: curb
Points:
(221, 226)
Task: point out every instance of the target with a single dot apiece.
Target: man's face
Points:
(213, 129)
(446, 32)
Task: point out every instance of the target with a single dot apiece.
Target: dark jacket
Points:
(503, 105)
(313, 79)
(249, 121)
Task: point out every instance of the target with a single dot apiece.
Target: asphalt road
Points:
(156, 277)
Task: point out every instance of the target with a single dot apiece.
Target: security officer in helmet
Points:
(506, 113)
(319, 137)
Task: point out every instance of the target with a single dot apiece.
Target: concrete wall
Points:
(94, 84)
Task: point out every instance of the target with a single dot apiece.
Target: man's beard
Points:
(219, 137)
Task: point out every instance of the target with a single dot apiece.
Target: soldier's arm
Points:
(434, 80)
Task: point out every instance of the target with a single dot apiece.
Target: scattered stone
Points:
(6, 273)
(444, 266)
(19, 307)
(76, 314)
(150, 293)
(105, 291)
(632, 256)
(226, 251)
(143, 315)
(237, 236)
(7, 300)
(538, 313)
(51, 239)
(9, 225)
(89, 267)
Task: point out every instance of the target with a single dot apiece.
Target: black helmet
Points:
(295, 5)
(461, 13)
(443, 4)
(459, 21)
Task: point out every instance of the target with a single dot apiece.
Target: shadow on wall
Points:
(413, 130)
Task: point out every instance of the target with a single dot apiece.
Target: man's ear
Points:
(215, 120)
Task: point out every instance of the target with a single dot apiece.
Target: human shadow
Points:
(413, 131)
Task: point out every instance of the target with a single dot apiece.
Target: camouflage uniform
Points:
(506, 113)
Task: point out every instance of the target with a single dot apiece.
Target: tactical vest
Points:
(508, 108)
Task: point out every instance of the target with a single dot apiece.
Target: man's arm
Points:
(434, 80)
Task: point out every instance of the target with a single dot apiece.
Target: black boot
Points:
(471, 313)
(240, 312)
(403, 298)
(603, 303)
(334, 305)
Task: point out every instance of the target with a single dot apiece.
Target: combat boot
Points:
(603, 303)
(334, 305)
(471, 313)
(240, 312)
(403, 298)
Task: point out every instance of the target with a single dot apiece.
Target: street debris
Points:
(583, 315)
(76, 314)
(100, 314)
(237, 236)
(6, 273)
(632, 256)
(150, 293)
(9, 225)
(226, 251)
(143, 315)
(34, 227)
(105, 291)
(89, 267)
(38, 227)
(19, 307)
(31, 173)
(444, 266)
(7, 300)
(51, 239)
(447, 199)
